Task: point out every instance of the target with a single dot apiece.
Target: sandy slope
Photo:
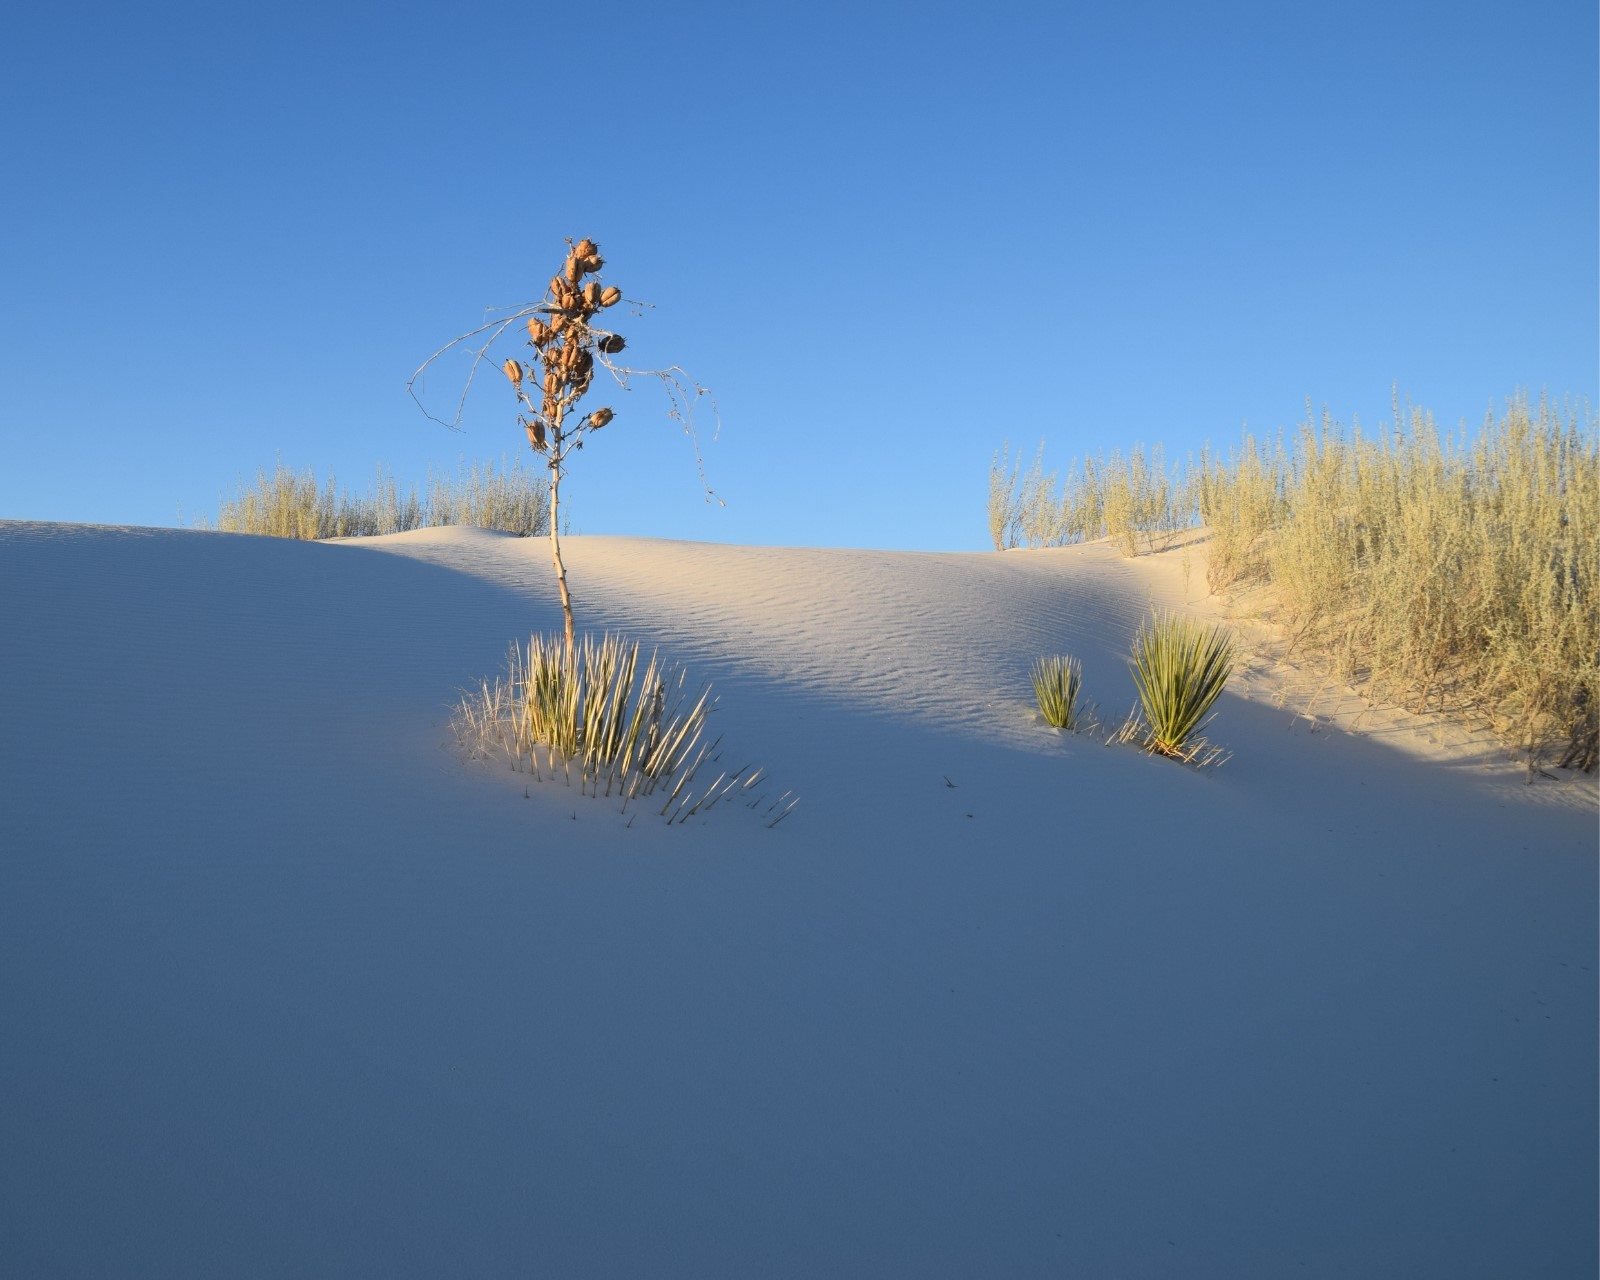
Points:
(288, 988)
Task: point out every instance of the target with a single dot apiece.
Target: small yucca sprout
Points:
(1057, 683)
(1180, 667)
(513, 370)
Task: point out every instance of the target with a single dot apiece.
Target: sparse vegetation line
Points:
(1451, 574)
(285, 503)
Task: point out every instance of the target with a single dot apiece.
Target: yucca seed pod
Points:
(539, 332)
(610, 296)
(591, 293)
(599, 418)
(558, 286)
(592, 264)
(535, 432)
(573, 271)
(612, 343)
(552, 382)
(513, 370)
(558, 322)
(586, 248)
(583, 364)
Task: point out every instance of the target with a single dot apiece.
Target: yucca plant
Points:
(625, 725)
(597, 707)
(566, 343)
(1180, 667)
(1057, 686)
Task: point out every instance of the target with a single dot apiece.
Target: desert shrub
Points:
(1005, 509)
(290, 504)
(1058, 689)
(1179, 667)
(1145, 504)
(1136, 500)
(1314, 551)
(1240, 502)
(1120, 502)
(1083, 507)
(511, 499)
(1038, 511)
(1453, 575)
(621, 726)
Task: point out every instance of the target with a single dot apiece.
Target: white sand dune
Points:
(289, 988)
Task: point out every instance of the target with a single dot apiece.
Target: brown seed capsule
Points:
(593, 263)
(599, 418)
(552, 382)
(610, 296)
(586, 248)
(513, 369)
(612, 343)
(591, 293)
(535, 432)
(539, 332)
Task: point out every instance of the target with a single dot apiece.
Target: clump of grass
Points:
(622, 726)
(1137, 500)
(1180, 667)
(1145, 504)
(1038, 515)
(1058, 689)
(1446, 574)
(510, 499)
(290, 504)
(1240, 502)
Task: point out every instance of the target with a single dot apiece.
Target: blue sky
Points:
(889, 237)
